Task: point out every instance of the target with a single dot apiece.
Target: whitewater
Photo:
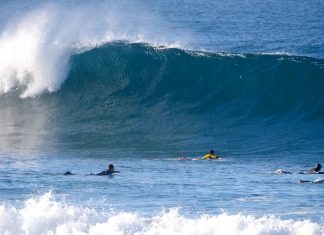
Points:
(151, 87)
(65, 219)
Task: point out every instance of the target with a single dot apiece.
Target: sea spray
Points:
(32, 56)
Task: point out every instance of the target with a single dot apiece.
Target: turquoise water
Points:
(85, 85)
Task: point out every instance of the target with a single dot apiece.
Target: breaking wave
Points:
(45, 215)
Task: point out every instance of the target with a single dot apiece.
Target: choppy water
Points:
(84, 85)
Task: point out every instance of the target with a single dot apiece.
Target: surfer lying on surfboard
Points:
(210, 155)
(315, 170)
(109, 171)
(308, 181)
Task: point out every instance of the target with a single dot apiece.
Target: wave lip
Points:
(45, 215)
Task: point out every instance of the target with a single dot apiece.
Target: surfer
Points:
(316, 169)
(109, 171)
(210, 155)
(68, 173)
(308, 181)
(281, 171)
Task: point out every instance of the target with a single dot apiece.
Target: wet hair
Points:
(111, 167)
(212, 152)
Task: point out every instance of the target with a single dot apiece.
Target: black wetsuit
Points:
(107, 172)
(312, 173)
(308, 181)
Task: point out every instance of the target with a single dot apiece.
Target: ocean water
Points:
(151, 86)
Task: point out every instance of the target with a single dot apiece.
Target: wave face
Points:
(135, 91)
(226, 85)
(45, 215)
(230, 84)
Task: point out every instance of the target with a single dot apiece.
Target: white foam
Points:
(31, 58)
(35, 49)
(44, 215)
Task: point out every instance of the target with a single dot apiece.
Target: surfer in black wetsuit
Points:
(109, 171)
(316, 169)
(308, 181)
(68, 173)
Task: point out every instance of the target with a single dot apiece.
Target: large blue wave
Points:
(124, 93)
(197, 82)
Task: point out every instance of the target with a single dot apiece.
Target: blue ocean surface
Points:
(151, 87)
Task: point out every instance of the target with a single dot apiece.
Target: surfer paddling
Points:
(316, 169)
(109, 171)
(210, 155)
(309, 181)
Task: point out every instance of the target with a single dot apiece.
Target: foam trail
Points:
(44, 215)
(35, 49)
